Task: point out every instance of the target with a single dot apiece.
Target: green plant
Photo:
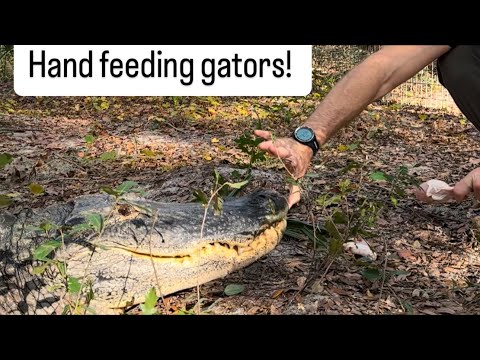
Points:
(347, 216)
(350, 209)
(220, 190)
(374, 273)
(99, 103)
(149, 306)
(248, 144)
(397, 182)
(123, 189)
(303, 230)
(5, 159)
(234, 289)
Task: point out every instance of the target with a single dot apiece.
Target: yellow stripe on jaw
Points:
(261, 241)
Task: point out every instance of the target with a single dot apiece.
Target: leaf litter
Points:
(55, 150)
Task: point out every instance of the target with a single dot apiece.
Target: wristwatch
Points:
(306, 136)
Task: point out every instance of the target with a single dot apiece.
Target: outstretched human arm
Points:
(377, 75)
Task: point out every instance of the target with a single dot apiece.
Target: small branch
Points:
(155, 217)
(398, 299)
(198, 306)
(173, 127)
(206, 210)
(384, 275)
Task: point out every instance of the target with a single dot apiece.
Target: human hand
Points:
(294, 155)
(434, 191)
(470, 183)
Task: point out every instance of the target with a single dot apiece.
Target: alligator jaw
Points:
(221, 248)
(133, 272)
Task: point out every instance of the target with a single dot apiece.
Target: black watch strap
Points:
(314, 146)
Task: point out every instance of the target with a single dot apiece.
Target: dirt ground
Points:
(171, 145)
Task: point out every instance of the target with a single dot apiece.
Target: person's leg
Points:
(459, 72)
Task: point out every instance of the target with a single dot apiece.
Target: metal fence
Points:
(331, 62)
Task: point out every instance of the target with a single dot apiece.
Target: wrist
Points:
(306, 151)
(319, 134)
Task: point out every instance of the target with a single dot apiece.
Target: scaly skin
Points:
(119, 263)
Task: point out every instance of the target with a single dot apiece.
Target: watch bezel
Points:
(304, 128)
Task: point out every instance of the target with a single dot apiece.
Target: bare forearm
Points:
(370, 80)
(346, 100)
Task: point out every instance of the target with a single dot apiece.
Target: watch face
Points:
(304, 134)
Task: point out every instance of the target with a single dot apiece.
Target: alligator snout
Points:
(274, 204)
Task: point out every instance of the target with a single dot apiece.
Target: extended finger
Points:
(267, 135)
(294, 196)
(274, 149)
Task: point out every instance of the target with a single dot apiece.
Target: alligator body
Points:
(150, 244)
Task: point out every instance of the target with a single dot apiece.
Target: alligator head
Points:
(151, 244)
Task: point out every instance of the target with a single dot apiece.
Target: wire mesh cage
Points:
(331, 62)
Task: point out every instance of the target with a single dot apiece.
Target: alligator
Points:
(142, 244)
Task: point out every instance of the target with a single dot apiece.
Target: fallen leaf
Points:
(147, 152)
(382, 222)
(5, 201)
(274, 310)
(301, 281)
(317, 287)
(130, 147)
(371, 274)
(295, 264)
(277, 293)
(253, 310)
(338, 291)
(5, 159)
(406, 254)
(110, 155)
(234, 289)
(215, 140)
(417, 245)
(36, 189)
